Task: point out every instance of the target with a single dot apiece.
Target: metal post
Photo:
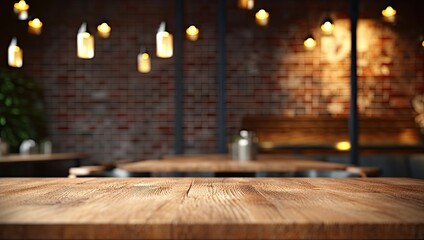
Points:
(221, 49)
(179, 81)
(353, 116)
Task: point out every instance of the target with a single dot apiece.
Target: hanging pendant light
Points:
(15, 54)
(389, 14)
(103, 30)
(164, 42)
(327, 26)
(34, 26)
(246, 4)
(192, 33)
(309, 43)
(85, 43)
(262, 17)
(21, 9)
(143, 61)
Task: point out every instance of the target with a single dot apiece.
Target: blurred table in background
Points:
(223, 164)
(39, 165)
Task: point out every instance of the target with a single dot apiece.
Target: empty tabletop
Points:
(223, 163)
(211, 208)
(15, 158)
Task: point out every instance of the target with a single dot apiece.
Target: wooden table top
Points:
(223, 163)
(42, 157)
(211, 208)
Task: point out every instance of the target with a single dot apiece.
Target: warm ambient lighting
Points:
(15, 54)
(192, 33)
(143, 62)
(35, 26)
(21, 8)
(389, 14)
(327, 26)
(343, 145)
(103, 30)
(164, 42)
(422, 43)
(309, 42)
(246, 4)
(262, 17)
(85, 43)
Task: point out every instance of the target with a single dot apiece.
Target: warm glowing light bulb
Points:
(246, 4)
(343, 145)
(309, 43)
(192, 33)
(20, 6)
(262, 17)
(164, 42)
(35, 26)
(422, 43)
(327, 27)
(143, 62)
(103, 30)
(15, 54)
(389, 12)
(85, 43)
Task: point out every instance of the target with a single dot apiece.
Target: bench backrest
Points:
(328, 130)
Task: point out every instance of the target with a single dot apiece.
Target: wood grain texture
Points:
(211, 208)
(42, 157)
(223, 163)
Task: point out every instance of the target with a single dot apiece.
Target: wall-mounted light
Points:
(192, 33)
(143, 62)
(327, 26)
(309, 43)
(15, 54)
(164, 42)
(262, 17)
(103, 30)
(389, 14)
(34, 26)
(85, 43)
(246, 4)
(21, 8)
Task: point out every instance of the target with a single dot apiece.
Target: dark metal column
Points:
(353, 116)
(179, 81)
(221, 57)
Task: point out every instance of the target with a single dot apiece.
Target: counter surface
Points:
(211, 208)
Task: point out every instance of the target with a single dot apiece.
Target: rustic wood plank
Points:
(205, 208)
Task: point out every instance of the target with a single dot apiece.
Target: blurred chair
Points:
(327, 173)
(102, 171)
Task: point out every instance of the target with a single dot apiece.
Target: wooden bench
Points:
(322, 134)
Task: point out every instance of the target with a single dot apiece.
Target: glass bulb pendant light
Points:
(164, 42)
(103, 30)
(309, 43)
(15, 54)
(327, 26)
(85, 43)
(143, 62)
(389, 14)
(262, 17)
(34, 26)
(21, 9)
(246, 4)
(192, 33)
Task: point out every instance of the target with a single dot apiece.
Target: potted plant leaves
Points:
(21, 109)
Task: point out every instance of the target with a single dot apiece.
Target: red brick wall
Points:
(106, 108)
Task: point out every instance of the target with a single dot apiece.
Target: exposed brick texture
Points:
(104, 107)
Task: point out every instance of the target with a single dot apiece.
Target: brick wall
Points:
(106, 108)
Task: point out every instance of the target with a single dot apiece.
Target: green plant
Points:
(21, 109)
